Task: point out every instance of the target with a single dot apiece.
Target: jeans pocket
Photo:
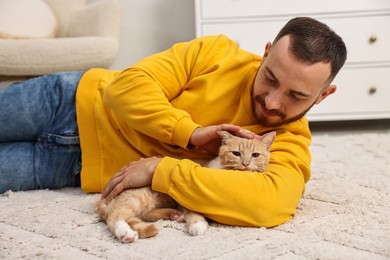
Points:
(66, 138)
(57, 159)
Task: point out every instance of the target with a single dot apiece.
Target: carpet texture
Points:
(344, 214)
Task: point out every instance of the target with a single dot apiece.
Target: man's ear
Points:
(266, 50)
(326, 92)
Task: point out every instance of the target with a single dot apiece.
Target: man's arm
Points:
(232, 197)
(141, 96)
(238, 197)
(140, 173)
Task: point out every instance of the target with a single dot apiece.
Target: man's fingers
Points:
(230, 128)
(133, 175)
(238, 131)
(115, 180)
(247, 134)
(117, 190)
(113, 183)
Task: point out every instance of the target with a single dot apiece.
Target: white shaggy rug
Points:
(344, 214)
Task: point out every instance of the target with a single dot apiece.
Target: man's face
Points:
(285, 88)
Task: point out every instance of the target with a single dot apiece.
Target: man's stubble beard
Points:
(263, 120)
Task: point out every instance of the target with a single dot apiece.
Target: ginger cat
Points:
(127, 215)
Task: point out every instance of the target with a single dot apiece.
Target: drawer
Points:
(253, 8)
(367, 38)
(251, 36)
(361, 93)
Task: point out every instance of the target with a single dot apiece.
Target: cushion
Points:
(26, 19)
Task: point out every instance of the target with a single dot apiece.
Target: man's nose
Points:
(273, 100)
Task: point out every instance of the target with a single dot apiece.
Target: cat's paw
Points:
(176, 215)
(124, 233)
(197, 228)
(180, 219)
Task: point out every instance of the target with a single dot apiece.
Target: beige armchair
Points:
(87, 37)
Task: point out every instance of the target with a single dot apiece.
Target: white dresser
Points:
(363, 83)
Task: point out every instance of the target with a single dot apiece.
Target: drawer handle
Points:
(372, 90)
(373, 39)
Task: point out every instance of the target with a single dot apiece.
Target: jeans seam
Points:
(59, 139)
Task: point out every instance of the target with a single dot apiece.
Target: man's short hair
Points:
(313, 41)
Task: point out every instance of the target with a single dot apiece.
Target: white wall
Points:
(151, 26)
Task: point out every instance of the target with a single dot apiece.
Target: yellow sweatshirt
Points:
(153, 107)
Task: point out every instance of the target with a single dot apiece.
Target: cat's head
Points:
(237, 153)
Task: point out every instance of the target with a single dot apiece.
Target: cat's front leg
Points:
(196, 224)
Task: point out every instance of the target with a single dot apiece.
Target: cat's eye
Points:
(255, 155)
(235, 153)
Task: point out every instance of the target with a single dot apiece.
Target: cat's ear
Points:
(225, 135)
(268, 138)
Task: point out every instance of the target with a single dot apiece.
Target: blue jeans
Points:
(39, 139)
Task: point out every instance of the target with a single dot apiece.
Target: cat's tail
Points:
(102, 209)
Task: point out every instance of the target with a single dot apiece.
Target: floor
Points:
(343, 127)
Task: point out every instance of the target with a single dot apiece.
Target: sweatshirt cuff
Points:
(183, 131)
(162, 178)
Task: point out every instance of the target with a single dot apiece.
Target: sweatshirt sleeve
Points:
(141, 96)
(238, 197)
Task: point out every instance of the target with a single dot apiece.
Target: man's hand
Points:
(134, 175)
(208, 139)
(140, 173)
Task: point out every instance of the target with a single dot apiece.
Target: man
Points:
(170, 106)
